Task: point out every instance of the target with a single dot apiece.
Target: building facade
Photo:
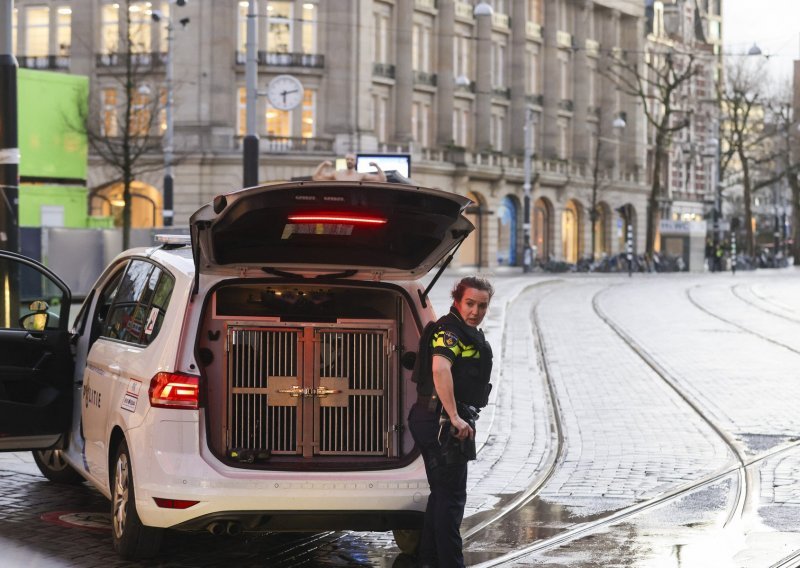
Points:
(451, 82)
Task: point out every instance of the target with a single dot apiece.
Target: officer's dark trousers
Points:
(441, 537)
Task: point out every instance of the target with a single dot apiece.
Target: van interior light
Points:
(337, 218)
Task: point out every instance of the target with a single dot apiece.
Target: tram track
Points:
(736, 289)
(728, 321)
(737, 468)
(674, 384)
(555, 454)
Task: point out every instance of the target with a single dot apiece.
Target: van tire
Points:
(407, 540)
(132, 540)
(55, 468)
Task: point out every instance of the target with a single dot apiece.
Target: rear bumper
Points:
(171, 461)
(311, 520)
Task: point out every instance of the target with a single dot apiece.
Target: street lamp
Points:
(716, 147)
(250, 144)
(168, 212)
(462, 81)
(618, 124)
(754, 50)
(527, 253)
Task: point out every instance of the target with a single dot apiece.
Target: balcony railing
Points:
(287, 144)
(563, 39)
(500, 20)
(533, 30)
(502, 92)
(280, 59)
(147, 59)
(535, 99)
(43, 61)
(425, 78)
(592, 48)
(463, 10)
(383, 70)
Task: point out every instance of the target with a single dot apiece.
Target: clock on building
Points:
(285, 92)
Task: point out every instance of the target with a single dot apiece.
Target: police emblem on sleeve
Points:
(450, 339)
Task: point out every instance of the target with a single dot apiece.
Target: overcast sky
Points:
(772, 24)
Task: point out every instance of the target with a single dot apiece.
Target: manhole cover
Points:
(79, 520)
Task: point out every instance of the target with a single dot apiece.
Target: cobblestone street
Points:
(645, 421)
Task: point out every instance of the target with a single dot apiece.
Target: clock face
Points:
(285, 92)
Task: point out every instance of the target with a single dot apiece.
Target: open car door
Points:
(36, 366)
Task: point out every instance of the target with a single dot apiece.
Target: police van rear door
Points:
(372, 230)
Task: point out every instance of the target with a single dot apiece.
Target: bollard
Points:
(630, 250)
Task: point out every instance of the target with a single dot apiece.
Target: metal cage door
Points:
(265, 386)
(351, 382)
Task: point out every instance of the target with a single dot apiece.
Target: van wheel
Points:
(131, 538)
(55, 468)
(407, 540)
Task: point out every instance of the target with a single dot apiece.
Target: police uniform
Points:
(471, 357)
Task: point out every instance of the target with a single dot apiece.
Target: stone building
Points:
(691, 26)
(451, 82)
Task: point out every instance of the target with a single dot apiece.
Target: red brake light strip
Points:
(337, 219)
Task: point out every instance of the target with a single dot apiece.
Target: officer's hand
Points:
(463, 430)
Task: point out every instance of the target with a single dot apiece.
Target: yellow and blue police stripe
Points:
(444, 339)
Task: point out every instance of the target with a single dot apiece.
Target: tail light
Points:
(174, 503)
(175, 390)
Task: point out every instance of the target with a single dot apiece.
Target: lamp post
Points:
(168, 211)
(527, 253)
(250, 143)
(618, 125)
(716, 150)
(9, 147)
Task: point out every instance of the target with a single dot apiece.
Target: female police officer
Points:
(460, 365)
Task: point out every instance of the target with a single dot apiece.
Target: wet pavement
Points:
(622, 413)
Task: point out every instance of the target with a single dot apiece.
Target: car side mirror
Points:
(36, 320)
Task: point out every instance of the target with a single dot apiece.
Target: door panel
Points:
(36, 368)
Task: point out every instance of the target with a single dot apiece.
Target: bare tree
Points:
(785, 160)
(743, 133)
(657, 82)
(124, 132)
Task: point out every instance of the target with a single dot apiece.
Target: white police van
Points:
(255, 377)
